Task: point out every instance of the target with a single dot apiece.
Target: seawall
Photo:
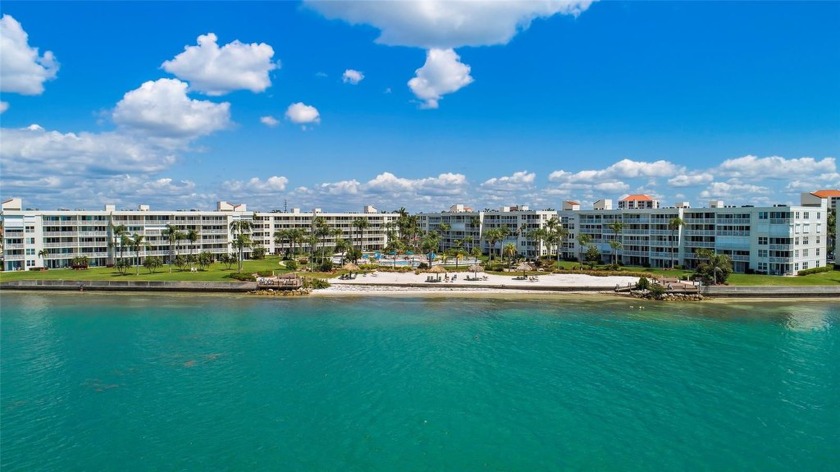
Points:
(772, 291)
(129, 286)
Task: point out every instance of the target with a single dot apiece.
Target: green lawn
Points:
(219, 273)
(215, 273)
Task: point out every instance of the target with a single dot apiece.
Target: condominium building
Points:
(832, 195)
(52, 238)
(775, 240)
(366, 230)
(464, 226)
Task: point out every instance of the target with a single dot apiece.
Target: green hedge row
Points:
(815, 270)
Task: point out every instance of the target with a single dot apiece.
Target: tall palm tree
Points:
(320, 229)
(509, 251)
(44, 254)
(171, 234)
(475, 224)
(361, 224)
(137, 243)
(443, 231)
(616, 227)
(282, 235)
(116, 234)
(192, 237)
(429, 244)
(492, 236)
(583, 240)
(296, 236)
(239, 228)
(674, 225)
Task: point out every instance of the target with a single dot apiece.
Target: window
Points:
(762, 253)
(805, 240)
(797, 215)
(804, 253)
(818, 252)
(796, 253)
(30, 251)
(804, 265)
(762, 215)
(805, 215)
(30, 240)
(762, 240)
(796, 241)
(796, 266)
(30, 229)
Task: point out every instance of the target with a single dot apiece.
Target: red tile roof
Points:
(827, 193)
(637, 198)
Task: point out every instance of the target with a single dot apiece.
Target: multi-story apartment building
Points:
(468, 226)
(52, 238)
(775, 240)
(64, 234)
(832, 195)
(372, 235)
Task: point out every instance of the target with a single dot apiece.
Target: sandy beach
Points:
(409, 283)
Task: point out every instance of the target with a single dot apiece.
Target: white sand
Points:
(407, 283)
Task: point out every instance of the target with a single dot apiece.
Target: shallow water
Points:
(145, 382)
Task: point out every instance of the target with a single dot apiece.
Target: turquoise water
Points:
(149, 382)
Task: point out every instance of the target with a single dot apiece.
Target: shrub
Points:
(258, 253)
(326, 266)
(291, 265)
(265, 273)
(315, 284)
(242, 277)
(643, 283)
(815, 270)
(657, 290)
(422, 266)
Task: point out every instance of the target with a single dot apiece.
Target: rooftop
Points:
(828, 193)
(639, 197)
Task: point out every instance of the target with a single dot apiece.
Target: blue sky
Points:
(416, 104)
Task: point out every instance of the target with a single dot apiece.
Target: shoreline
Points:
(409, 284)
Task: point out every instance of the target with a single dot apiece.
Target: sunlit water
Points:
(150, 382)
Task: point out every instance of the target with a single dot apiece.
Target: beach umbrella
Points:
(524, 267)
(475, 268)
(351, 267)
(437, 270)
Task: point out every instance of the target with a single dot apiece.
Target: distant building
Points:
(832, 195)
(777, 240)
(638, 202)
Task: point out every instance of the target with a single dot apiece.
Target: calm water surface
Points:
(150, 382)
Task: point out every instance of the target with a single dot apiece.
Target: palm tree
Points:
(192, 237)
(509, 251)
(238, 229)
(44, 254)
(443, 231)
(361, 224)
(674, 225)
(240, 242)
(296, 236)
(282, 235)
(583, 241)
(171, 234)
(320, 229)
(116, 233)
(475, 224)
(429, 244)
(136, 244)
(616, 227)
(491, 236)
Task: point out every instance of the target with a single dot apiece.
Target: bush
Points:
(657, 290)
(258, 253)
(315, 284)
(422, 266)
(291, 265)
(242, 277)
(815, 270)
(643, 284)
(265, 273)
(326, 266)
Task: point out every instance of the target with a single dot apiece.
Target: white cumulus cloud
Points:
(3, 107)
(690, 179)
(733, 188)
(301, 114)
(351, 76)
(218, 70)
(255, 186)
(269, 121)
(517, 181)
(162, 109)
(444, 24)
(625, 168)
(442, 73)
(22, 69)
(344, 187)
(775, 167)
